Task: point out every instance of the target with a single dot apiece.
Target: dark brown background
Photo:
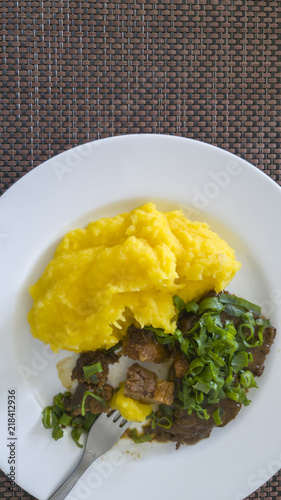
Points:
(72, 72)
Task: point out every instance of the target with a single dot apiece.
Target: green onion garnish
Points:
(90, 370)
(58, 406)
(238, 394)
(191, 306)
(210, 304)
(217, 351)
(163, 418)
(227, 298)
(65, 419)
(88, 420)
(162, 337)
(239, 361)
(57, 432)
(76, 434)
(85, 422)
(140, 438)
(216, 417)
(178, 302)
(58, 400)
(196, 366)
(114, 347)
(49, 418)
(77, 421)
(98, 398)
(165, 422)
(247, 379)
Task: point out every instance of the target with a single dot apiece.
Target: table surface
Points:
(72, 72)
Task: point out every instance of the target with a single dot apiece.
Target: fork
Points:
(103, 434)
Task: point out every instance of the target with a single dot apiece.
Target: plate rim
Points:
(10, 191)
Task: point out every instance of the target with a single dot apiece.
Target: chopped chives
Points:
(91, 370)
(76, 434)
(57, 432)
(227, 298)
(216, 417)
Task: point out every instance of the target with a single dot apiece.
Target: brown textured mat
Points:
(74, 71)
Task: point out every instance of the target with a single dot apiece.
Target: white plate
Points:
(105, 178)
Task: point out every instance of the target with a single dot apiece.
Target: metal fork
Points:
(103, 434)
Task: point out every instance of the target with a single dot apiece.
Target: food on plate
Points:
(218, 347)
(142, 345)
(125, 270)
(224, 340)
(143, 385)
(148, 286)
(131, 409)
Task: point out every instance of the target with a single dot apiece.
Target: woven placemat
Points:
(74, 71)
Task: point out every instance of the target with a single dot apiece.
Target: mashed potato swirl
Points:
(124, 269)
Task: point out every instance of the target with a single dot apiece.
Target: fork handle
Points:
(62, 492)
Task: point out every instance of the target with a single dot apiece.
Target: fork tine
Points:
(117, 417)
(106, 430)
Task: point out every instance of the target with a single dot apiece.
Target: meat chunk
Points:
(143, 385)
(90, 358)
(142, 345)
(164, 392)
(140, 383)
(181, 364)
(73, 403)
(187, 321)
(190, 429)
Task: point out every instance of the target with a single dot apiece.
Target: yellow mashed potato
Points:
(128, 407)
(124, 269)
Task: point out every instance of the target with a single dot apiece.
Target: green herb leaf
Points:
(58, 401)
(162, 337)
(210, 304)
(178, 302)
(49, 418)
(65, 419)
(140, 438)
(76, 434)
(164, 422)
(90, 370)
(196, 366)
(152, 417)
(57, 432)
(200, 386)
(216, 358)
(191, 306)
(217, 416)
(163, 418)
(227, 298)
(58, 411)
(114, 347)
(78, 421)
(98, 398)
(235, 311)
(89, 419)
(167, 339)
(238, 394)
(218, 353)
(247, 380)
(239, 361)
(246, 332)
